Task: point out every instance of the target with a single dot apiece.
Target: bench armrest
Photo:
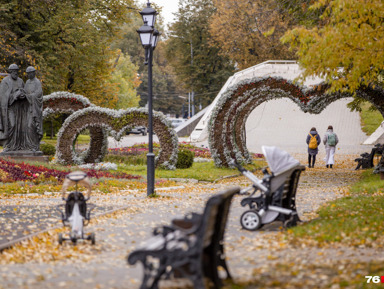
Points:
(195, 217)
(188, 221)
(164, 230)
(188, 225)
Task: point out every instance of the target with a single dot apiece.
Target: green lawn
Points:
(81, 139)
(200, 171)
(370, 120)
(354, 220)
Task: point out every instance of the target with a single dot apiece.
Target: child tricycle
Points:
(76, 213)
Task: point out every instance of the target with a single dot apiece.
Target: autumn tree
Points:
(126, 77)
(300, 11)
(68, 41)
(347, 49)
(196, 61)
(248, 32)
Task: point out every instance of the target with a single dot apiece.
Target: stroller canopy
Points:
(278, 160)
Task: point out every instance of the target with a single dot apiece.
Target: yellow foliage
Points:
(348, 49)
(248, 32)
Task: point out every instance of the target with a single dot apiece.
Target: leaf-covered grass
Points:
(356, 219)
(205, 171)
(370, 120)
(338, 274)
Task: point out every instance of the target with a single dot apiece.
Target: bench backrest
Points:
(290, 188)
(215, 216)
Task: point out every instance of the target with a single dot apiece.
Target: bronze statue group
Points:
(21, 106)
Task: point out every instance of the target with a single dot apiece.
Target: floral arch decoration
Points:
(100, 122)
(226, 127)
(63, 102)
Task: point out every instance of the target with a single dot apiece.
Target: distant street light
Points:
(189, 104)
(149, 37)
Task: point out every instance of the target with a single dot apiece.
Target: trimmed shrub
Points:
(184, 159)
(48, 149)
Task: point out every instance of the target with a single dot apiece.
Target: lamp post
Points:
(149, 37)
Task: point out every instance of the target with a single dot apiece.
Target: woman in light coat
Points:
(330, 141)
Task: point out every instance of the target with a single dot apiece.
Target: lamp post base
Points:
(150, 174)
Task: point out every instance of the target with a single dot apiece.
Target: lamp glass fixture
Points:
(145, 33)
(149, 14)
(155, 38)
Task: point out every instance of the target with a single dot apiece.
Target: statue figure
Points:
(21, 109)
(34, 94)
(11, 88)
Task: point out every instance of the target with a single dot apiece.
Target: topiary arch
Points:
(100, 121)
(63, 102)
(226, 128)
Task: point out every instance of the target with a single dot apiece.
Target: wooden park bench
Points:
(191, 247)
(366, 159)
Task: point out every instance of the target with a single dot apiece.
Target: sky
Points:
(169, 7)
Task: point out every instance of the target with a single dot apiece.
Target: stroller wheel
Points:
(60, 239)
(92, 237)
(250, 220)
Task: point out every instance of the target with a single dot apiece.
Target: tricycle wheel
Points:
(60, 239)
(250, 220)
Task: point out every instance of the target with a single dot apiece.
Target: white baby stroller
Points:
(278, 191)
(76, 213)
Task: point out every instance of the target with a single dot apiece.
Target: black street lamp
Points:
(149, 37)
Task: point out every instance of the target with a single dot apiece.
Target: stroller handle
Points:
(249, 175)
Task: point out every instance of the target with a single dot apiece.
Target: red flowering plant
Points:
(14, 172)
(136, 149)
(142, 149)
(199, 152)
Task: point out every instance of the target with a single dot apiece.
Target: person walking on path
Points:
(330, 141)
(313, 141)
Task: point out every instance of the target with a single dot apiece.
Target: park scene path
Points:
(261, 257)
(41, 263)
